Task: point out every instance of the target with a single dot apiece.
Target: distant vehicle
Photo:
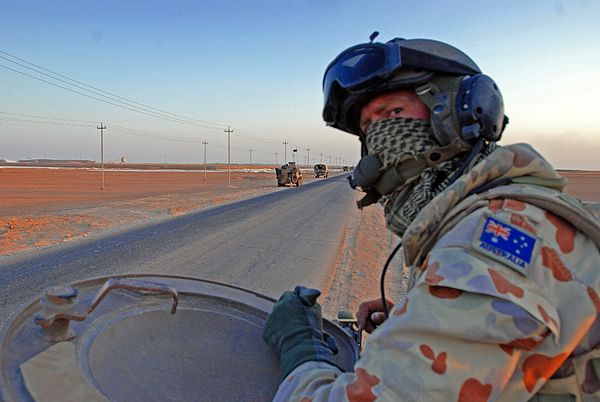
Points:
(321, 170)
(289, 174)
(346, 168)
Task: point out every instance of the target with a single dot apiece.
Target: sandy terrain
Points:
(43, 207)
(583, 184)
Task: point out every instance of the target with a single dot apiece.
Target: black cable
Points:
(382, 280)
(477, 147)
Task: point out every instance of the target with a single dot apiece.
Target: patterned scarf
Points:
(399, 139)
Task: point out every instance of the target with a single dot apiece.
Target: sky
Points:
(169, 76)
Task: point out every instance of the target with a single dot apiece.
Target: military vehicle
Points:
(289, 175)
(321, 170)
(147, 338)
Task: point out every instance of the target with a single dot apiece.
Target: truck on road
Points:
(289, 174)
(321, 170)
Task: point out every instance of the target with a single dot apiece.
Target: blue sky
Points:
(257, 66)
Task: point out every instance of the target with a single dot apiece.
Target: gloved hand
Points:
(294, 329)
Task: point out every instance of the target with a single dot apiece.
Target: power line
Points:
(106, 92)
(12, 119)
(113, 99)
(256, 138)
(118, 129)
(46, 117)
(156, 112)
(109, 102)
(114, 128)
(244, 134)
(121, 102)
(138, 133)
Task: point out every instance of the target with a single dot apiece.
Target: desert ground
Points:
(43, 207)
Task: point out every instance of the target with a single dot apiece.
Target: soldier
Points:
(502, 303)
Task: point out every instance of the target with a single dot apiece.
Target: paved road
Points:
(266, 244)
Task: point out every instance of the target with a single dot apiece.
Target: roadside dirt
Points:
(357, 272)
(43, 207)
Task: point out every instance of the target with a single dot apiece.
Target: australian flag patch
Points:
(506, 243)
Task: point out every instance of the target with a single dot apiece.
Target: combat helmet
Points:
(465, 104)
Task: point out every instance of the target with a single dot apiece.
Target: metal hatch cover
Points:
(130, 347)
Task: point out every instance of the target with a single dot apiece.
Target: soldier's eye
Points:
(397, 110)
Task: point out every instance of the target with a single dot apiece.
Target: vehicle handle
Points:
(60, 304)
(135, 285)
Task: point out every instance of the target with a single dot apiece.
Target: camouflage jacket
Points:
(503, 297)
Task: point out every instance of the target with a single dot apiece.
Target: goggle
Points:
(360, 65)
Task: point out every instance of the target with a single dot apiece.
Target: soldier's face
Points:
(401, 103)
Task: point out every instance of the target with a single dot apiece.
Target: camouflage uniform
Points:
(484, 319)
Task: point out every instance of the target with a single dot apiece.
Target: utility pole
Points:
(276, 158)
(204, 143)
(228, 131)
(285, 152)
(250, 162)
(308, 156)
(330, 159)
(321, 158)
(102, 128)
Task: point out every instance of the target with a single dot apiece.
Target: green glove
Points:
(294, 329)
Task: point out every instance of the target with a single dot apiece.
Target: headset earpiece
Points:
(480, 109)
(464, 108)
